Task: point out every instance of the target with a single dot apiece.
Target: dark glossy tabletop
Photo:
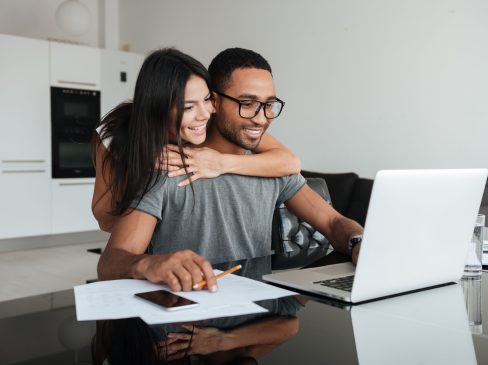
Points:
(436, 326)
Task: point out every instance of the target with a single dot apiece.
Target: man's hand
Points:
(355, 253)
(124, 257)
(180, 270)
(197, 341)
(201, 162)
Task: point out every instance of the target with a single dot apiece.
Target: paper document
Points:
(112, 299)
(115, 299)
(237, 289)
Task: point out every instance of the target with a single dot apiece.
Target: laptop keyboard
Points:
(344, 283)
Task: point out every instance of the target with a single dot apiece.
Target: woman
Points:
(158, 130)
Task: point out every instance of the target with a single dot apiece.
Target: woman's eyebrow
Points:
(196, 101)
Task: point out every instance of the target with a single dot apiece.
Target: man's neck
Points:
(218, 142)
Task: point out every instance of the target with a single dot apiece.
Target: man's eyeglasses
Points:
(250, 108)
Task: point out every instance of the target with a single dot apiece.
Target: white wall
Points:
(368, 84)
(35, 19)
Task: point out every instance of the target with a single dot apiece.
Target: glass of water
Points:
(474, 255)
(472, 296)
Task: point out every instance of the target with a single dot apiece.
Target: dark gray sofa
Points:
(350, 194)
(484, 203)
(297, 244)
(294, 242)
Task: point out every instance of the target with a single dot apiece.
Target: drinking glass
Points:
(474, 255)
(472, 296)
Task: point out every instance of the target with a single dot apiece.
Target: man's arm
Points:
(310, 207)
(124, 257)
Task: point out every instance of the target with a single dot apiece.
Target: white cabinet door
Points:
(25, 122)
(71, 206)
(74, 66)
(119, 75)
(25, 198)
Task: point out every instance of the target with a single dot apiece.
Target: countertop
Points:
(45, 275)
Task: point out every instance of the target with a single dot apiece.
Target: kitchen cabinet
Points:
(119, 74)
(74, 66)
(25, 132)
(33, 203)
(25, 195)
(71, 206)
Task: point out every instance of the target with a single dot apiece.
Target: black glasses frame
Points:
(262, 105)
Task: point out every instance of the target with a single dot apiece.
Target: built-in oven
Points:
(74, 114)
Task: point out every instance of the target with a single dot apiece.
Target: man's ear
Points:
(215, 100)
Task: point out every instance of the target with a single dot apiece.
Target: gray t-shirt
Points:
(227, 218)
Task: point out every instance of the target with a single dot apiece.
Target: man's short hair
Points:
(230, 59)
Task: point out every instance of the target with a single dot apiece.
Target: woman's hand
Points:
(203, 341)
(201, 162)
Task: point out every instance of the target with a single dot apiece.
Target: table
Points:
(430, 326)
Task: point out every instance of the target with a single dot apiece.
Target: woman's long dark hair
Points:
(139, 130)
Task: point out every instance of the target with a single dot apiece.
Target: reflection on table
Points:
(428, 327)
(437, 326)
(472, 295)
(232, 340)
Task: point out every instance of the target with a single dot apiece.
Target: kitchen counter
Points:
(46, 276)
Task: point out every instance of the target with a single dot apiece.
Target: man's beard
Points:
(233, 134)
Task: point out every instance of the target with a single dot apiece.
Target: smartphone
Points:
(168, 301)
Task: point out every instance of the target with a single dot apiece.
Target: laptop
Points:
(416, 235)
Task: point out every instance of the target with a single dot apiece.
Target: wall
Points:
(35, 19)
(367, 84)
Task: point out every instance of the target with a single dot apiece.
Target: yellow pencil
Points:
(226, 272)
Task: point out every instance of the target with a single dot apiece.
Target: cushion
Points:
(296, 243)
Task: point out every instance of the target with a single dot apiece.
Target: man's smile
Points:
(253, 132)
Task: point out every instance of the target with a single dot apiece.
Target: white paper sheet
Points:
(115, 299)
(237, 289)
(111, 299)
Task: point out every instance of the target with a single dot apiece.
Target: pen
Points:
(202, 283)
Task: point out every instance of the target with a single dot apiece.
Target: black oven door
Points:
(74, 114)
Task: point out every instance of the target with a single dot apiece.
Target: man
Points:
(228, 217)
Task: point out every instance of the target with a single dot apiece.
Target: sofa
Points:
(294, 242)
(349, 193)
(484, 204)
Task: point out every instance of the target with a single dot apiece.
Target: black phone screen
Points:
(166, 299)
